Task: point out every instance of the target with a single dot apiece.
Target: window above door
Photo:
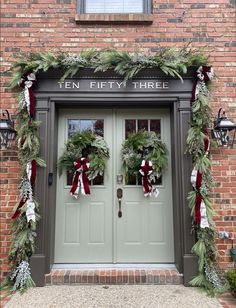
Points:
(116, 6)
(118, 11)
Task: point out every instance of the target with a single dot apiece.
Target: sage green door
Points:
(84, 225)
(145, 231)
(88, 230)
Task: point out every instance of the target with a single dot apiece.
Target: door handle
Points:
(119, 197)
(50, 178)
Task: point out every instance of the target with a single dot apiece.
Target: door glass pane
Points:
(130, 127)
(143, 124)
(86, 125)
(75, 125)
(158, 181)
(139, 179)
(69, 177)
(155, 126)
(131, 180)
(134, 125)
(98, 180)
(97, 126)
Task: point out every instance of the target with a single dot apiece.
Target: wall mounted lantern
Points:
(7, 131)
(224, 130)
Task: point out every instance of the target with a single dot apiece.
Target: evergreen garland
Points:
(28, 139)
(173, 62)
(209, 276)
(24, 230)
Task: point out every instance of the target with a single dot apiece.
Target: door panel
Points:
(83, 226)
(145, 231)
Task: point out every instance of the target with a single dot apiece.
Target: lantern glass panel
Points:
(3, 139)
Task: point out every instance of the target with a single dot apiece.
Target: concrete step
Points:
(114, 276)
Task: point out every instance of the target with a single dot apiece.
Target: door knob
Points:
(119, 197)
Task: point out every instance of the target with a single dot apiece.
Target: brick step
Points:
(114, 276)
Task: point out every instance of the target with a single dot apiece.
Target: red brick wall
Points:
(40, 25)
(224, 193)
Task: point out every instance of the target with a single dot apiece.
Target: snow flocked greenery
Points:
(141, 146)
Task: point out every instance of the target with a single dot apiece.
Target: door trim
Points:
(47, 106)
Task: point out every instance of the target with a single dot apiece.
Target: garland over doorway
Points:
(173, 62)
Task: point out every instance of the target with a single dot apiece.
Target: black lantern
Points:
(224, 130)
(7, 132)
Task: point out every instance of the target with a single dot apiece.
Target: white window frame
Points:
(147, 7)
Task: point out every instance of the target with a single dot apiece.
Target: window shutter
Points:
(114, 6)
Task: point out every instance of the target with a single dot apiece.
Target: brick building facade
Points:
(32, 25)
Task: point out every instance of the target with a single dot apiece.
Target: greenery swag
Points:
(85, 144)
(209, 277)
(141, 146)
(24, 230)
(173, 62)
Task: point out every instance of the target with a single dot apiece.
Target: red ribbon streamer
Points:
(80, 179)
(198, 201)
(146, 170)
(206, 144)
(29, 78)
(204, 73)
(32, 102)
(198, 180)
(18, 212)
(32, 182)
(33, 172)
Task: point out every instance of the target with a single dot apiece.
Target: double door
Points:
(89, 229)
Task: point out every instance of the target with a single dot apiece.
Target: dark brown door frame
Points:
(48, 104)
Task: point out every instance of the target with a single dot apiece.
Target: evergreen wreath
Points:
(174, 62)
(140, 146)
(85, 144)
